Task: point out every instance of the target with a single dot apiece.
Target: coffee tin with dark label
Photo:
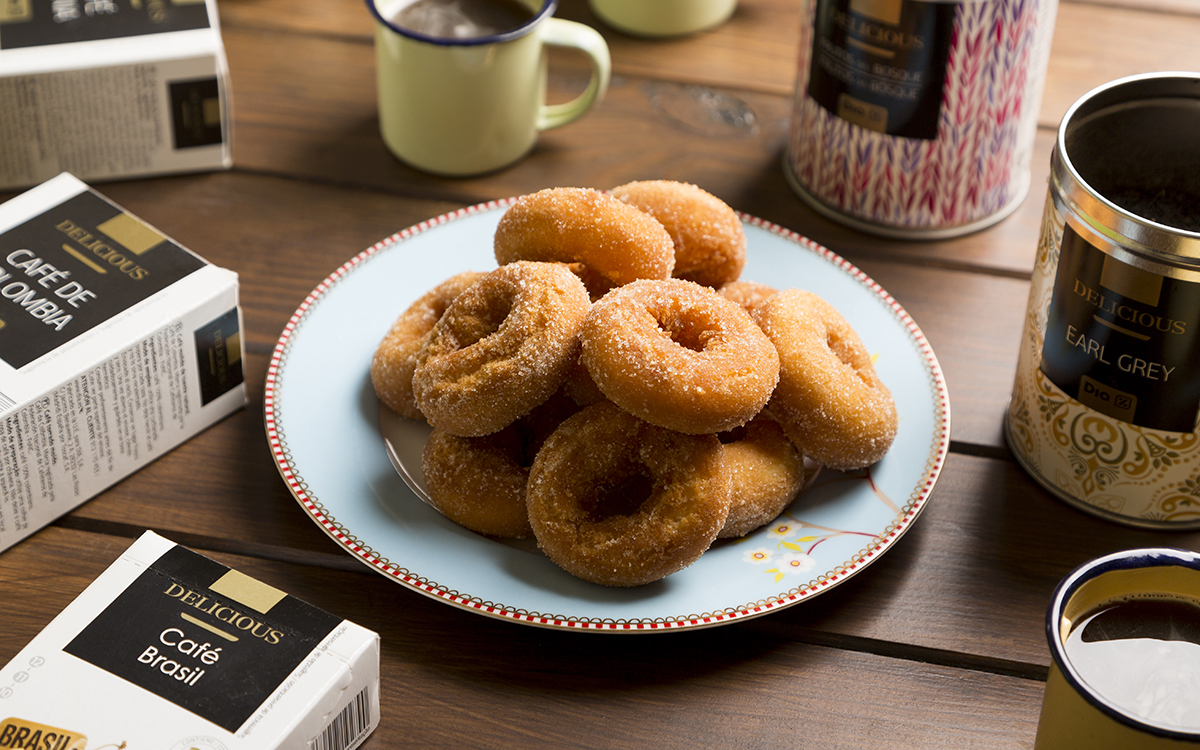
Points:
(1106, 400)
(916, 119)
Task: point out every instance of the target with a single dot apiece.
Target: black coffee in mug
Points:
(462, 19)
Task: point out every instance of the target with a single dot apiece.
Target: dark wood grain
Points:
(937, 644)
(455, 679)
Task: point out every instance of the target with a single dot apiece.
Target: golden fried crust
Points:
(767, 471)
(829, 400)
(679, 355)
(620, 502)
(582, 225)
(396, 357)
(710, 244)
(502, 347)
(748, 294)
(478, 482)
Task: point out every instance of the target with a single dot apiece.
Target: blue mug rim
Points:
(1123, 560)
(547, 9)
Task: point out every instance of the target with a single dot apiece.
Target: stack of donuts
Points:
(615, 389)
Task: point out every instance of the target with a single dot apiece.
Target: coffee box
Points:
(116, 345)
(106, 89)
(169, 649)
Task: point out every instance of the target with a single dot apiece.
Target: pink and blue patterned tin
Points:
(916, 119)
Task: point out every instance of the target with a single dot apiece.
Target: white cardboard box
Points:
(170, 650)
(116, 345)
(107, 89)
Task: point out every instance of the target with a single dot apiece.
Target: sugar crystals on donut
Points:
(829, 400)
(502, 347)
(710, 244)
(616, 390)
(679, 355)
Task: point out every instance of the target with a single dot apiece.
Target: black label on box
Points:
(196, 112)
(205, 637)
(219, 356)
(68, 270)
(1123, 341)
(35, 23)
(881, 64)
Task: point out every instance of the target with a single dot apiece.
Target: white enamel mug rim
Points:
(1124, 560)
(547, 9)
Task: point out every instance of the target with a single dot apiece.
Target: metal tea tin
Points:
(916, 119)
(1107, 392)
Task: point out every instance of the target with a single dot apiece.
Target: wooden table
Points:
(938, 644)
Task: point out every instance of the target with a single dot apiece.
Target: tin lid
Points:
(1127, 163)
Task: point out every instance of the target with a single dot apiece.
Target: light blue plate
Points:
(323, 423)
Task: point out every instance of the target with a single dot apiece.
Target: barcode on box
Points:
(348, 728)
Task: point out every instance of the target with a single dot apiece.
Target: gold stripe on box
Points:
(16, 11)
(233, 347)
(131, 233)
(211, 107)
(245, 590)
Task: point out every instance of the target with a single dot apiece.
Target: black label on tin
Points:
(1123, 341)
(68, 270)
(36, 23)
(881, 64)
(202, 636)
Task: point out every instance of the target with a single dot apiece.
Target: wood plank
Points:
(1094, 44)
(323, 126)
(254, 225)
(974, 324)
(976, 572)
(989, 535)
(223, 483)
(1190, 7)
(755, 49)
(502, 684)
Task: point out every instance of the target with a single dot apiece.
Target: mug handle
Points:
(559, 32)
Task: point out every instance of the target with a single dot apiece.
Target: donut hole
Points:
(623, 496)
(843, 348)
(689, 331)
(484, 323)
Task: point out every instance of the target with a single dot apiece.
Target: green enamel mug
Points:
(465, 106)
(663, 18)
(1124, 635)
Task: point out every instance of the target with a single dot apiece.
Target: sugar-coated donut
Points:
(501, 348)
(583, 225)
(620, 502)
(478, 482)
(580, 386)
(767, 471)
(679, 355)
(748, 294)
(710, 244)
(829, 400)
(535, 428)
(396, 357)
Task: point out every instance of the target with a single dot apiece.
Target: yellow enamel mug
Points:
(468, 106)
(1124, 634)
(663, 17)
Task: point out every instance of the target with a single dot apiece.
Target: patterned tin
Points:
(916, 119)
(1106, 399)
